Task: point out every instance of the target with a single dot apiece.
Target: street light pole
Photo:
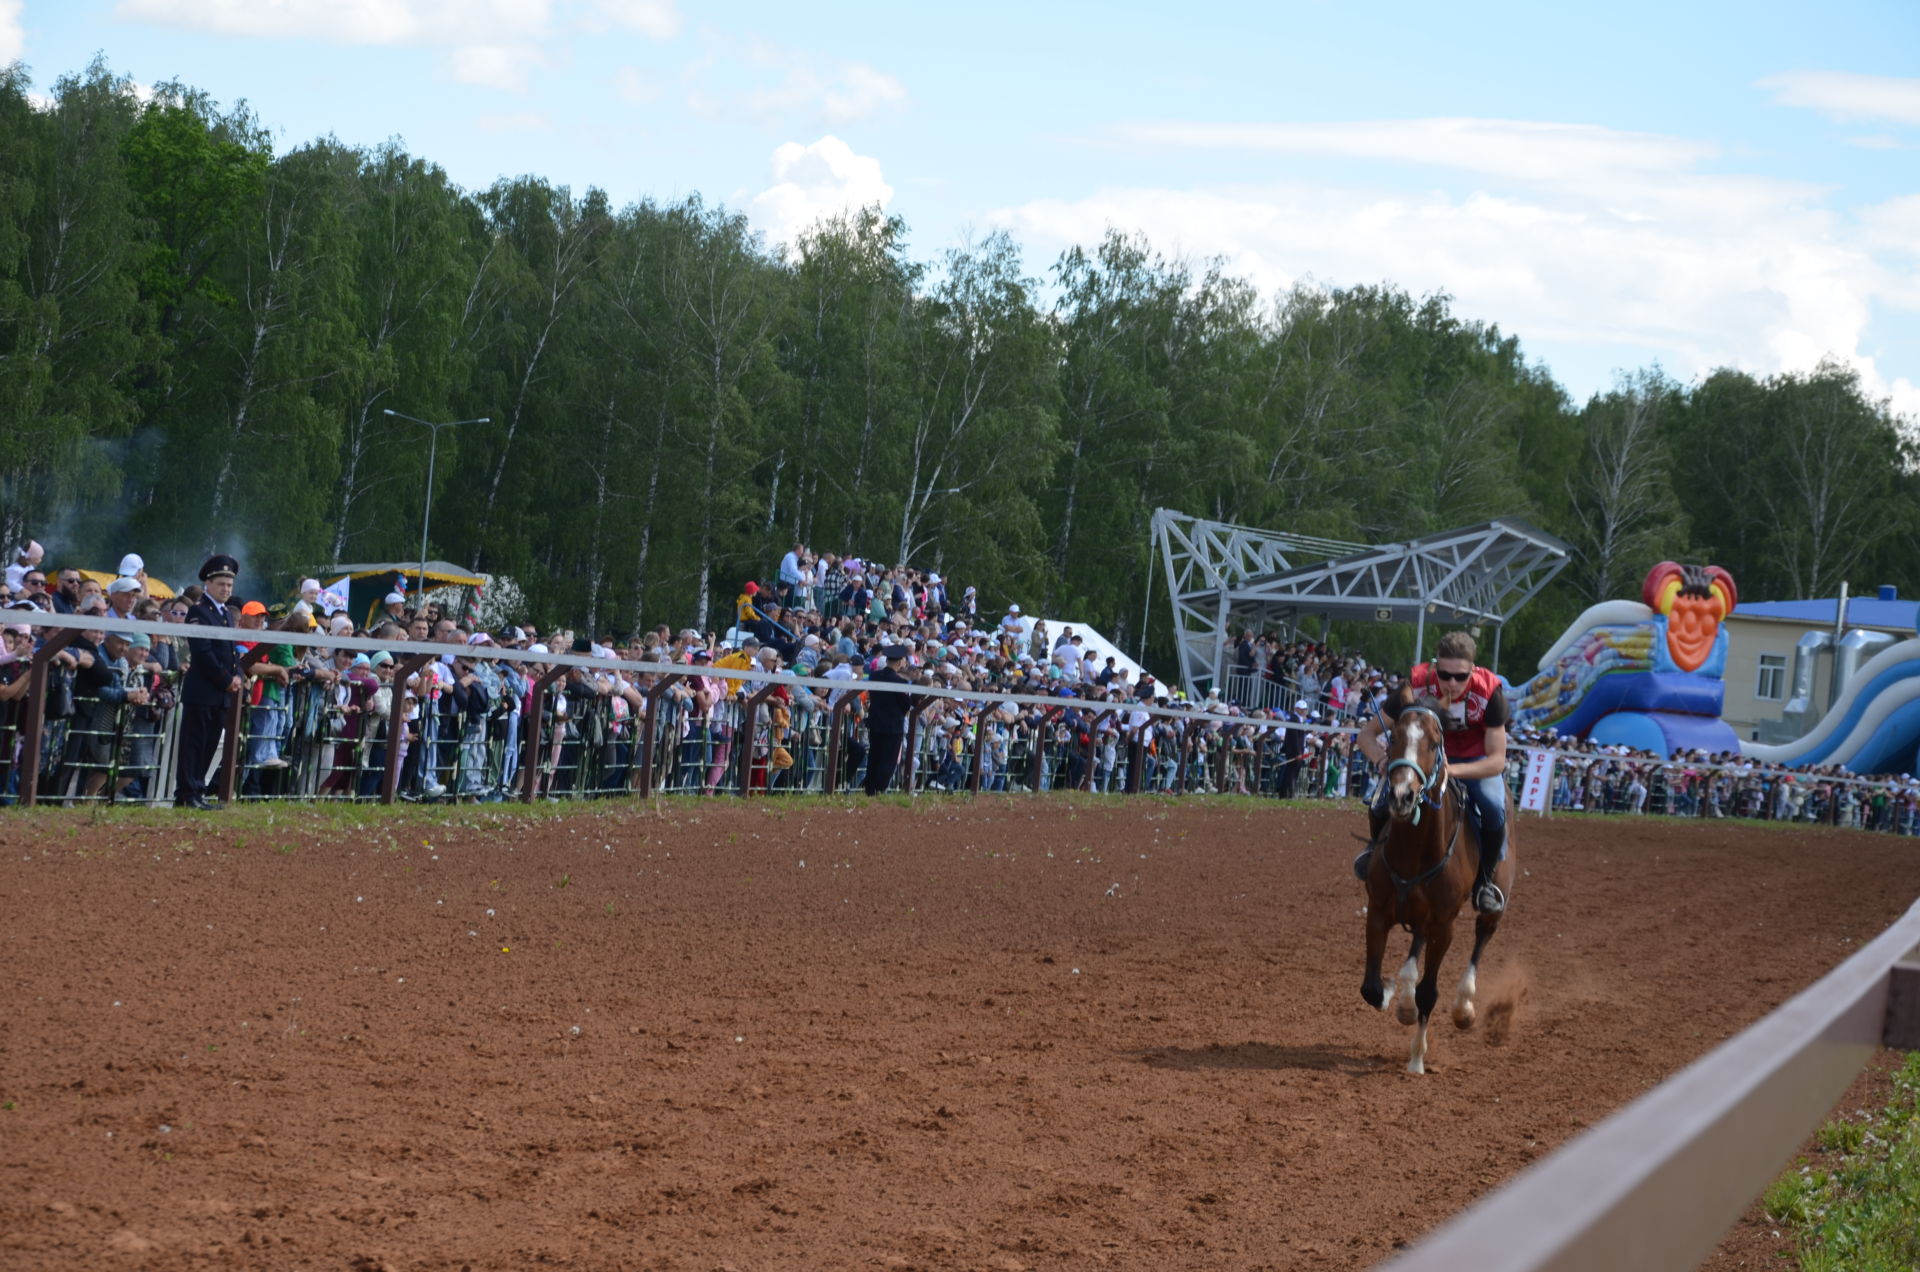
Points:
(433, 447)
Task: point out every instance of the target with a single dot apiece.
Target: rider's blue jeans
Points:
(1489, 796)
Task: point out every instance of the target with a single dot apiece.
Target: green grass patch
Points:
(1858, 1206)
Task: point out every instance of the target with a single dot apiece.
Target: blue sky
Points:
(1690, 184)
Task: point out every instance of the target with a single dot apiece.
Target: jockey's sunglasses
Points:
(1453, 675)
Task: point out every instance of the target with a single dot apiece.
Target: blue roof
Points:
(1862, 611)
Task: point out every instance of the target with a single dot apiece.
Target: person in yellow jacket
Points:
(737, 660)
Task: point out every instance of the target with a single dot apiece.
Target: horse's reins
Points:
(1402, 888)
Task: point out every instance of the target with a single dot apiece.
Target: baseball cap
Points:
(123, 584)
(132, 564)
(394, 598)
(253, 607)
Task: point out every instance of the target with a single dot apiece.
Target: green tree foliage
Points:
(199, 338)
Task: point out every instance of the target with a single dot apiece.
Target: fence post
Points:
(979, 740)
(397, 722)
(1186, 754)
(835, 729)
(33, 719)
(743, 736)
(1093, 742)
(230, 743)
(530, 762)
(909, 748)
(654, 697)
(1038, 764)
(1137, 757)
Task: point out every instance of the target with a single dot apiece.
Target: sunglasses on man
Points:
(1453, 675)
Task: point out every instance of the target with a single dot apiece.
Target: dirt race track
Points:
(1003, 1034)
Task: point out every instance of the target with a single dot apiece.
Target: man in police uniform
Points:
(887, 720)
(206, 692)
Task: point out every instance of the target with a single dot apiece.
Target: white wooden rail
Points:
(1657, 1185)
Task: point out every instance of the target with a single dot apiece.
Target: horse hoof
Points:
(1416, 1067)
(1408, 1011)
(1463, 1016)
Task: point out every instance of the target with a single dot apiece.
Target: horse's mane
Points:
(1406, 696)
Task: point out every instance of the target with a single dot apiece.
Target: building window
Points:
(1773, 678)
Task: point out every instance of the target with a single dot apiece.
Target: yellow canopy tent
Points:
(155, 587)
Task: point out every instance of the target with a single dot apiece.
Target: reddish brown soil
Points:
(1005, 1034)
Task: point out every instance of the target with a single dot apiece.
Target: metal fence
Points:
(1657, 1185)
(1585, 782)
(561, 727)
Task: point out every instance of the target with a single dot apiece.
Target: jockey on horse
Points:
(1474, 715)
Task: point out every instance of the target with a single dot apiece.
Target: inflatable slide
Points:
(1644, 673)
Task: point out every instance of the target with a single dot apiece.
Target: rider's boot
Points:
(1487, 897)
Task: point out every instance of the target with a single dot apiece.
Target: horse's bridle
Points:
(1403, 888)
(1427, 779)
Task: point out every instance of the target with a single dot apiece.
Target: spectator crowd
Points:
(318, 720)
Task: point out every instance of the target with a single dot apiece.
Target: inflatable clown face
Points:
(1694, 599)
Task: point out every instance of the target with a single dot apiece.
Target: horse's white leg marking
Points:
(1403, 986)
(1463, 1003)
(1417, 1062)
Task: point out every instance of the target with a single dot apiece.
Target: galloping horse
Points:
(1422, 873)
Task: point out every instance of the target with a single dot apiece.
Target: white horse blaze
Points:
(1403, 778)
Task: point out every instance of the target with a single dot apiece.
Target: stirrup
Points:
(1363, 865)
(1488, 899)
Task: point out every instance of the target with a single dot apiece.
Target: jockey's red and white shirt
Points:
(1464, 722)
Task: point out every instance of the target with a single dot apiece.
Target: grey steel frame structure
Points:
(1219, 573)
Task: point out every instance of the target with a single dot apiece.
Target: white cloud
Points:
(786, 87)
(495, 65)
(812, 182)
(376, 22)
(635, 85)
(1567, 234)
(490, 43)
(521, 121)
(1544, 153)
(860, 91)
(13, 38)
(1847, 97)
(655, 19)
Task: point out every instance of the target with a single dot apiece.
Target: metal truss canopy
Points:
(1219, 573)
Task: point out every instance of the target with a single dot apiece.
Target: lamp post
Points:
(426, 516)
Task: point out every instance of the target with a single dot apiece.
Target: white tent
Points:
(1092, 645)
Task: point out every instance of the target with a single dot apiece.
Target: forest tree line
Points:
(198, 337)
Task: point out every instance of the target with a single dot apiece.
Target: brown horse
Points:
(1422, 872)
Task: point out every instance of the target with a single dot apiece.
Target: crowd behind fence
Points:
(574, 727)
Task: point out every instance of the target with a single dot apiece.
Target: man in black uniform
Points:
(887, 720)
(212, 678)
